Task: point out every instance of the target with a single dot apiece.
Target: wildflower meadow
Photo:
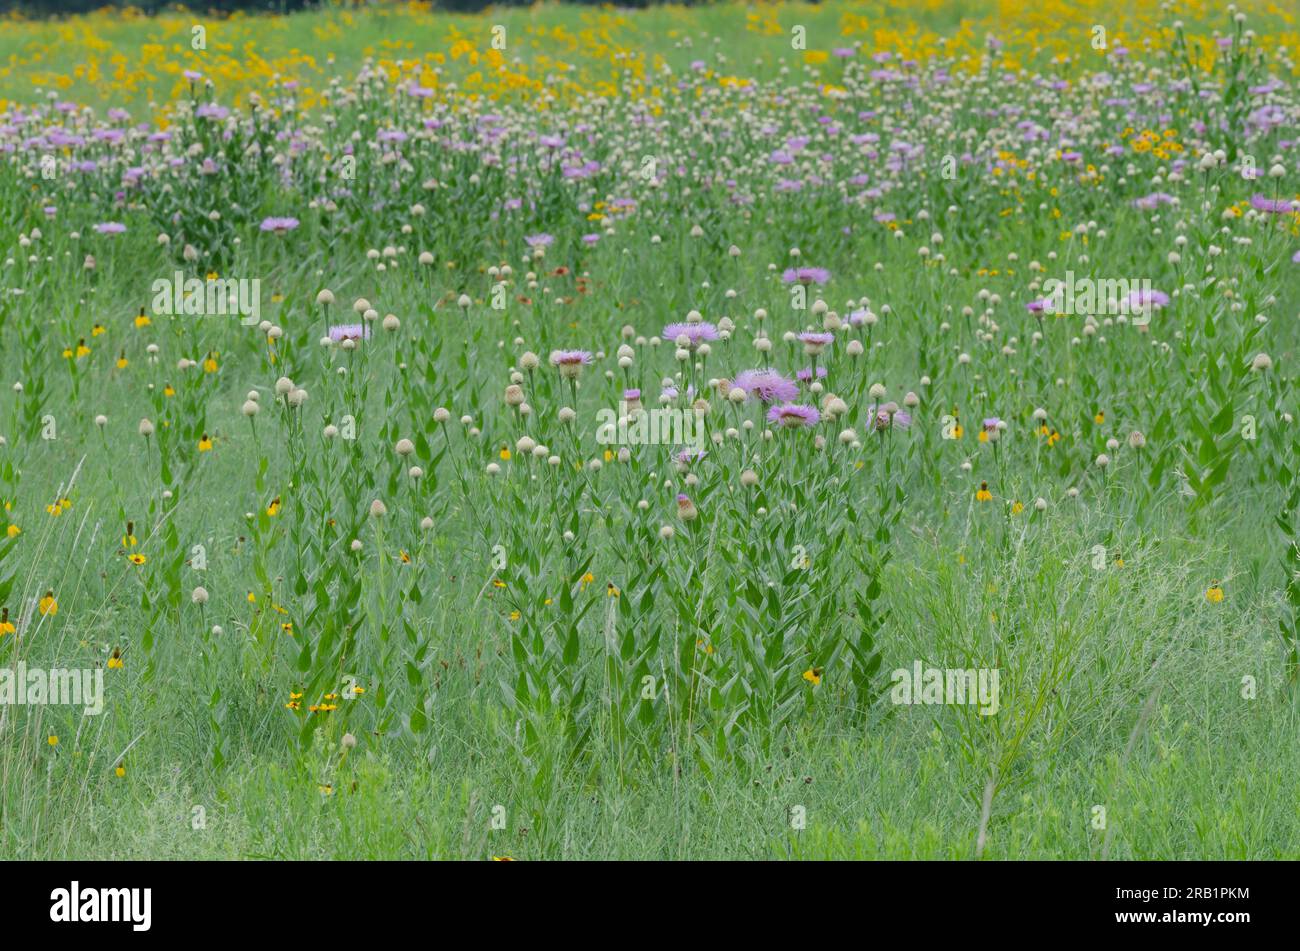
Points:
(852, 430)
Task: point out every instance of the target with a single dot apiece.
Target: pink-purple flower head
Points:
(815, 342)
(766, 386)
(794, 416)
(1153, 201)
(1138, 301)
(210, 110)
(1272, 206)
(695, 334)
(1037, 306)
(991, 423)
(1295, 258)
(687, 456)
(110, 227)
(542, 240)
(341, 332)
(806, 275)
(570, 362)
(279, 225)
(882, 418)
(632, 394)
(806, 374)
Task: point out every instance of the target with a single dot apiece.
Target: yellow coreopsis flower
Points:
(49, 605)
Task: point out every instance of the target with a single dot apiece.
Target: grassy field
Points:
(556, 433)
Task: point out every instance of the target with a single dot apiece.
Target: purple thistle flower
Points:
(1278, 206)
(342, 332)
(110, 227)
(695, 333)
(1140, 300)
(542, 240)
(794, 416)
(766, 386)
(806, 275)
(279, 225)
(883, 419)
(570, 362)
(814, 343)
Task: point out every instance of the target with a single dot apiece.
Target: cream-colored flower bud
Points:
(378, 509)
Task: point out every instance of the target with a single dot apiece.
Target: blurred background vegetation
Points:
(45, 8)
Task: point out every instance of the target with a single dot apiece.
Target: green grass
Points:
(1122, 685)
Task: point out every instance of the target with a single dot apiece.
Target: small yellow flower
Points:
(1017, 508)
(115, 662)
(984, 495)
(13, 530)
(136, 558)
(514, 615)
(505, 452)
(274, 507)
(168, 391)
(96, 330)
(49, 605)
(1214, 594)
(120, 771)
(611, 590)
(122, 361)
(1099, 418)
(205, 444)
(813, 675)
(52, 740)
(142, 319)
(210, 364)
